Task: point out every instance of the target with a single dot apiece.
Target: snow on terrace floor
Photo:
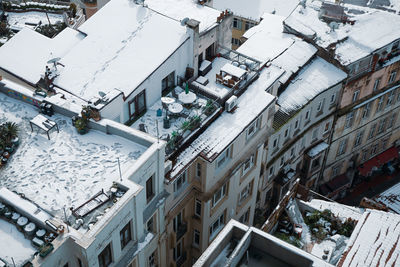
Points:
(20, 20)
(14, 245)
(68, 169)
(391, 198)
(374, 241)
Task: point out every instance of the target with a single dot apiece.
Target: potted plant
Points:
(81, 126)
(209, 107)
(45, 249)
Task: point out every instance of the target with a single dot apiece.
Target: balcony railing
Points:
(181, 260)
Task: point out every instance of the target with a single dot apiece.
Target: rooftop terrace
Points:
(66, 170)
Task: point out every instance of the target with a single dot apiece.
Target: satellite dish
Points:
(333, 25)
(54, 60)
(183, 22)
(102, 94)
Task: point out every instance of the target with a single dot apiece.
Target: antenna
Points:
(119, 168)
(54, 61)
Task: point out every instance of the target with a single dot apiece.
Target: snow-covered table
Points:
(43, 123)
(187, 98)
(175, 108)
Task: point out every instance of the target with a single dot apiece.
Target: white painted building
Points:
(100, 195)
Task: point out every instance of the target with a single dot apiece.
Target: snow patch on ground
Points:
(14, 245)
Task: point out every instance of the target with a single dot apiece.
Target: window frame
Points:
(196, 233)
(125, 235)
(150, 193)
(219, 195)
(105, 254)
(197, 207)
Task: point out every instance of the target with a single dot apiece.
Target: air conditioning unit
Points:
(231, 103)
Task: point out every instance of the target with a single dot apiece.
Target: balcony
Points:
(181, 260)
(181, 231)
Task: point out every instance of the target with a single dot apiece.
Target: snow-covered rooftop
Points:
(266, 41)
(69, 168)
(180, 9)
(255, 8)
(29, 61)
(372, 30)
(125, 43)
(391, 198)
(313, 79)
(229, 125)
(374, 241)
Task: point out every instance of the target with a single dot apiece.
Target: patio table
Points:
(187, 98)
(175, 108)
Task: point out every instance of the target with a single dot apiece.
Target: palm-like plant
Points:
(8, 131)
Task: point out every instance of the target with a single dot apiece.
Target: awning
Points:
(378, 160)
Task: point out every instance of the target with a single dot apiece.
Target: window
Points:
(359, 137)
(235, 41)
(282, 161)
(249, 25)
(391, 121)
(355, 95)
(150, 225)
(79, 262)
(198, 170)
(149, 189)
(125, 235)
(223, 158)
(219, 195)
(376, 84)
(326, 128)
(137, 105)
(180, 181)
(248, 164)
(372, 131)
(197, 207)
(178, 251)
(217, 225)
(342, 147)
(153, 259)
(245, 193)
(333, 97)
(381, 126)
(366, 110)
(292, 151)
(307, 115)
(316, 163)
(364, 155)
(271, 171)
(178, 221)
(286, 132)
(392, 76)
(336, 170)
(296, 124)
(275, 143)
(349, 120)
(237, 23)
(320, 104)
(303, 142)
(105, 257)
(245, 217)
(168, 82)
(390, 99)
(315, 134)
(254, 126)
(66, 265)
(384, 143)
(374, 149)
(196, 237)
(380, 102)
